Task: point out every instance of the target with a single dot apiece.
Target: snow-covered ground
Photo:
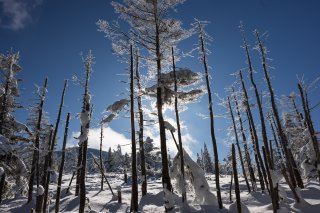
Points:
(103, 201)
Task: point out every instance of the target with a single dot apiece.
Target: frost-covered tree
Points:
(151, 30)
(204, 40)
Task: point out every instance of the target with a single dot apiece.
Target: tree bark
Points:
(35, 158)
(245, 146)
(2, 182)
(141, 143)
(100, 157)
(238, 146)
(63, 154)
(213, 138)
(295, 176)
(236, 182)
(134, 194)
(184, 192)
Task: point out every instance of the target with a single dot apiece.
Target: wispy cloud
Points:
(15, 14)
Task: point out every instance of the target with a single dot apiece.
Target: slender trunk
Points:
(68, 189)
(141, 143)
(279, 149)
(238, 146)
(46, 176)
(133, 141)
(100, 157)
(105, 177)
(230, 188)
(35, 158)
(254, 134)
(52, 140)
(310, 127)
(295, 176)
(166, 181)
(63, 154)
(259, 101)
(2, 182)
(184, 193)
(273, 189)
(245, 146)
(87, 108)
(213, 138)
(236, 182)
(271, 154)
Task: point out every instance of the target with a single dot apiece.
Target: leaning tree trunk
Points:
(35, 158)
(184, 193)
(262, 121)
(213, 138)
(236, 181)
(49, 157)
(134, 195)
(245, 145)
(273, 188)
(141, 143)
(2, 182)
(295, 176)
(100, 157)
(62, 164)
(254, 134)
(238, 146)
(310, 128)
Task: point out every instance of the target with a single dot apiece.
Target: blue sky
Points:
(51, 34)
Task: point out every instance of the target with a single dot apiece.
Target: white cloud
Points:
(15, 14)
(111, 139)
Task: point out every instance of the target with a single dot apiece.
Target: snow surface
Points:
(103, 201)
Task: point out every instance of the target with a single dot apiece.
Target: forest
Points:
(272, 162)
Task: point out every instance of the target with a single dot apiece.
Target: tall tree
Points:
(238, 146)
(295, 176)
(154, 32)
(63, 154)
(204, 38)
(35, 158)
(85, 118)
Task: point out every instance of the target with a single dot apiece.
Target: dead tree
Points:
(236, 181)
(238, 146)
(203, 55)
(310, 127)
(63, 154)
(85, 125)
(245, 145)
(2, 182)
(254, 135)
(35, 158)
(49, 157)
(294, 173)
(100, 156)
(184, 193)
(141, 143)
(134, 195)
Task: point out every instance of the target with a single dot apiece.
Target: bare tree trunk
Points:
(295, 176)
(2, 182)
(310, 127)
(245, 146)
(254, 135)
(100, 157)
(105, 177)
(238, 146)
(236, 182)
(63, 154)
(134, 195)
(68, 189)
(230, 188)
(184, 192)
(84, 144)
(141, 143)
(35, 158)
(213, 138)
(271, 154)
(273, 190)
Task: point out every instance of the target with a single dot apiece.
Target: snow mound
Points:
(40, 190)
(233, 208)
